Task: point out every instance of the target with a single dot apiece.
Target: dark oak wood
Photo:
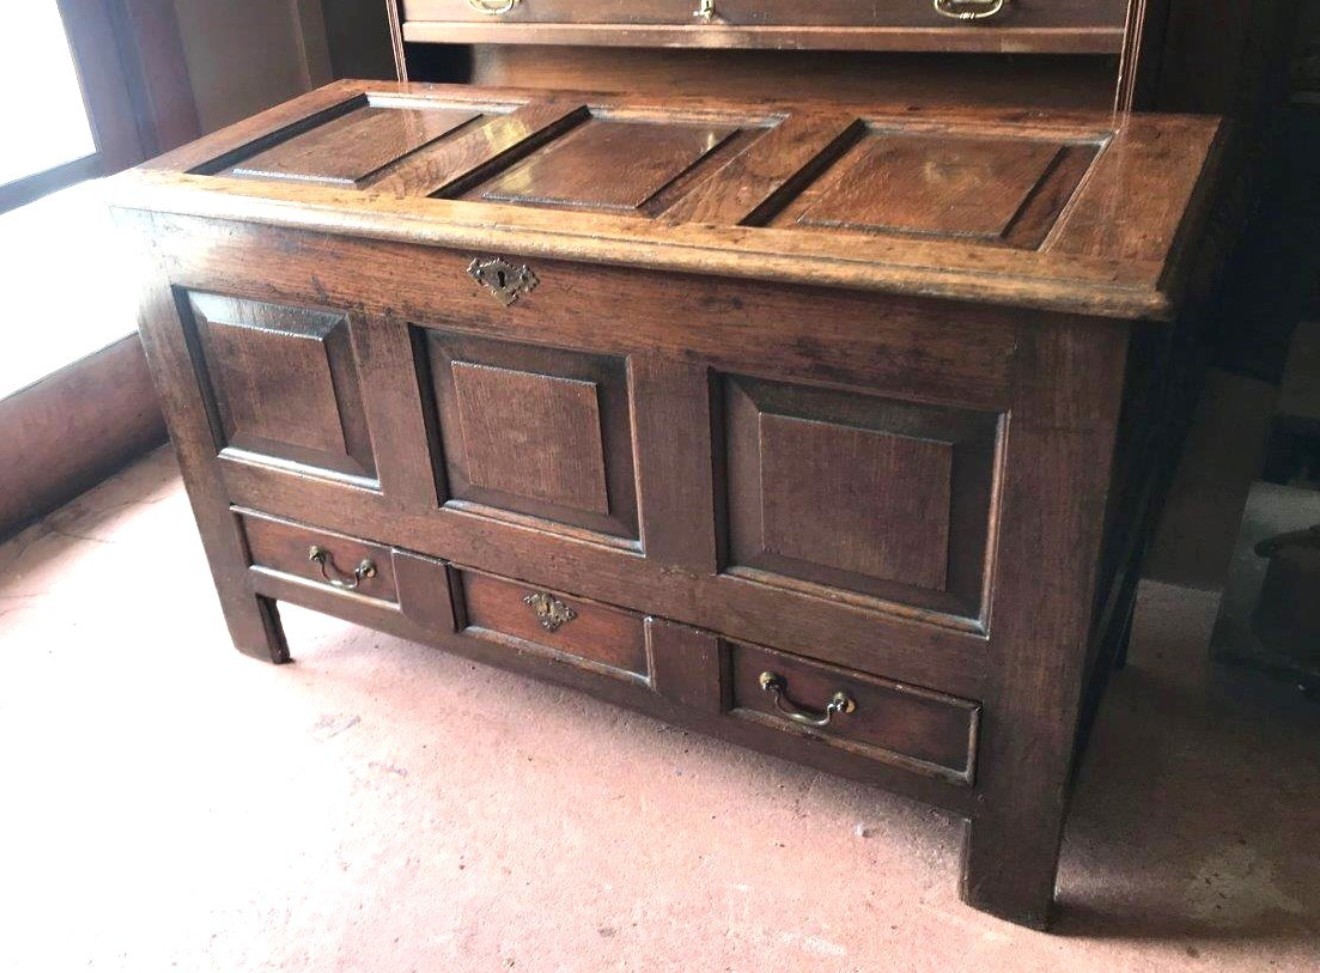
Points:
(927, 733)
(758, 13)
(653, 398)
(283, 381)
(498, 610)
(275, 545)
(931, 79)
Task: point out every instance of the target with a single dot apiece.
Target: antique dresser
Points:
(824, 430)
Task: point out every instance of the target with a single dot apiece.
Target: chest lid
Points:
(1073, 212)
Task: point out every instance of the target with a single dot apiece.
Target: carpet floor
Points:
(166, 803)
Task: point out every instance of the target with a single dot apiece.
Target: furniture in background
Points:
(827, 429)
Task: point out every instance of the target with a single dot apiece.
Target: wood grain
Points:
(1099, 245)
(532, 435)
(877, 457)
(497, 609)
(925, 732)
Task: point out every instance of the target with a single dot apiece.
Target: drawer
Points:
(577, 630)
(334, 560)
(917, 729)
(778, 13)
(552, 11)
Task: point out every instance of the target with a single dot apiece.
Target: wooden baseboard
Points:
(67, 432)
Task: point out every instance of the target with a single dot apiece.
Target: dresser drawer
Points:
(776, 13)
(917, 729)
(552, 11)
(334, 560)
(579, 631)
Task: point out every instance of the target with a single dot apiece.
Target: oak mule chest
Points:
(827, 431)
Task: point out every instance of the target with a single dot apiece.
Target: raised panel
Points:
(350, 149)
(832, 492)
(609, 164)
(525, 431)
(283, 382)
(829, 490)
(538, 436)
(993, 190)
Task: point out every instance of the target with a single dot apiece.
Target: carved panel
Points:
(533, 431)
(834, 491)
(283, 382)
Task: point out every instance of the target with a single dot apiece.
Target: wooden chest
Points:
(827, 431)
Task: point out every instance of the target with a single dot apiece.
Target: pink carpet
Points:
(170, 804)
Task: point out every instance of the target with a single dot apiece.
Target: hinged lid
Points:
(1074, 212)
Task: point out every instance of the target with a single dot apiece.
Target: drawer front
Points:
(919, 730)
(579, 631)
(778, 13)
(334, 560)
(553, 11)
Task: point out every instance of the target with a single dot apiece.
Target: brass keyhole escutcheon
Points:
(552, 613)
(505, 281)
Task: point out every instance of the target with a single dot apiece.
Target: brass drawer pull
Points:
(775, 685)
(552, 613)
(493, 7)
(705, 12)
(969, 9)
(326, 562)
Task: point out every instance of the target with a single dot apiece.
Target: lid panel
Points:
(349, 149)
(950, 186)
(607, 164)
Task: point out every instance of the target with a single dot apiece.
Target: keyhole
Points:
(501, 279)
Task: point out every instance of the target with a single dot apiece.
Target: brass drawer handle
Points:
(705, 12)
(493, 7)
(326, 562)
(969, 9)
(552, 613)
(774, 684)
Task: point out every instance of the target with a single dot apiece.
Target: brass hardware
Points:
(493, 7)
(706, 11)
(503, 279)
(326, 562)
(550, 611)
(969, 9)
(775, 685)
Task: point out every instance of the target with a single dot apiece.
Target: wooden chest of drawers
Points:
(829, 432)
